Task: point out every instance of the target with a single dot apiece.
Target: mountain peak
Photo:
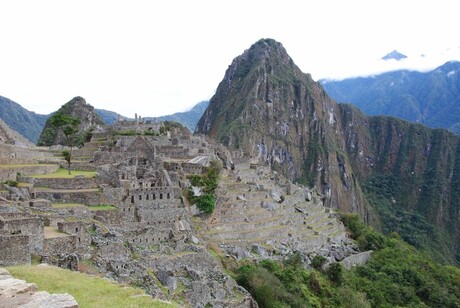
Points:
(77, 108)
(394, 55)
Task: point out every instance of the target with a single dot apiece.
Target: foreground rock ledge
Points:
(19, 293)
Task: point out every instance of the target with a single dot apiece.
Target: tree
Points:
(68, 125)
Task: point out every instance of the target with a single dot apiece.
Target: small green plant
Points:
(11, 183)
(150, 132)
(318, 262)
(208, 183)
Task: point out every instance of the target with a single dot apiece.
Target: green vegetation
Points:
(88, 291)
(11, 183)
(208, 183)
(397, 275)
(129, 132)
(414, 228)
(66, 205)
(102, 207)
(63, 174)
(68, 126)
(150, 132)
(168, 125)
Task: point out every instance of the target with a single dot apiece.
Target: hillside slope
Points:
(27, 123)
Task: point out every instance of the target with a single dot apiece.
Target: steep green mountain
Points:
(266, 107)
(431, 98)
(27, 123)
(186, 118)
(76, 108)
(399, 176)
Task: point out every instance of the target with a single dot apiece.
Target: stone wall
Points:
(148, 236)
(116, 218)
(74, 183)
(14, 250)
(140, 196)
(10, 154)
(173, 151)
(59, 245)
(91, 197)
(79, 229)
(19, 224)
(113, 195)
(11, 172)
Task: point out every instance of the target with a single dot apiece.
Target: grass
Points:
(66, 205)
(88, 291)
(99, 207)
(62, 173)
(11, 166)
(102, 207)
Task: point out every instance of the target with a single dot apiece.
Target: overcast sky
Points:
(160, 57)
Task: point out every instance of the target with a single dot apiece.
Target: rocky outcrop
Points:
(266, 107)
(19, 293)
(76, 108)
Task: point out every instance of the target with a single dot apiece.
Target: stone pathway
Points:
(19, 293)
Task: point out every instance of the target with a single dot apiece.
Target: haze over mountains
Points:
(431, 98)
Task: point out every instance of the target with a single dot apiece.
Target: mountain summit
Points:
(268, 109)
(394, 55)
(76, 108)
(399, 176)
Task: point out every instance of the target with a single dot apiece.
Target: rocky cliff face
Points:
(269, 109)
(77, 108)
(266, 107)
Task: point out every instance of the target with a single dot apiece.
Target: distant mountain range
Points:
(30, 124)
(431, 98)
(187, 118)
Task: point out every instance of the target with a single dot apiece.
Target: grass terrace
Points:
(66, 205)
(88, 291)
(62, 173)
(99, 207)
(12, 166)
(102, 207)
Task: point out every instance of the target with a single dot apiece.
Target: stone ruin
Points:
(151, 235)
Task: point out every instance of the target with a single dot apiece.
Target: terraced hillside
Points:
(260, 214)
